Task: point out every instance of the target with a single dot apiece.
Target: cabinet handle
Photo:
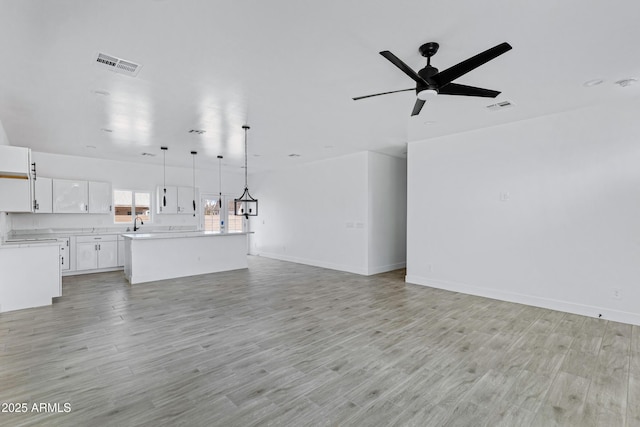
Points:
(98, 247)
(62, 260)
(95, 247)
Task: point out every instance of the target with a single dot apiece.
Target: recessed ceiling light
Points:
(101, 92)
(429, 122)
(106, 130)
(591, 83)
(626, 82)
(294, 155)
(91, 146)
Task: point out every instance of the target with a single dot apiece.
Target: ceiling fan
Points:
(430, 82)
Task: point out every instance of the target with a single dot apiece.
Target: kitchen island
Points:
(167, 255)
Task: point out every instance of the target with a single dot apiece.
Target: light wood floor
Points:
(288, 344)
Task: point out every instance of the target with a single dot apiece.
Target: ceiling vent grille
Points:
(118, 65)
(500, 105)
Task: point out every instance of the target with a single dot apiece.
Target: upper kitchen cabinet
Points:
(15, 179)
(70, 196)
(15, 161)
(43, 195)
(171, 199)
(100, 197)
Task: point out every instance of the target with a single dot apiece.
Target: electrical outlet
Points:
(617, 293)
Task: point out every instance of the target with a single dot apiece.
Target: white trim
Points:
(536, 301)
(330, 266)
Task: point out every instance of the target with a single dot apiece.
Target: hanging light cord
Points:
(194, 181)
(246, 180)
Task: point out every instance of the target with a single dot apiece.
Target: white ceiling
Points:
(289, 69)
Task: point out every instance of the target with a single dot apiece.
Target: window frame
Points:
(133, 205)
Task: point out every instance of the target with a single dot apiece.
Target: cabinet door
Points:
(107, 254)
(15, 195)
(100, 197)
(43, 195)
(65, 261)
(172, 200)
(86, 256)
(185, 200)
(120, 251)
(15, 161)
(70, 196)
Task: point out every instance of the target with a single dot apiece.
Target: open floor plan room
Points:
(288, 344)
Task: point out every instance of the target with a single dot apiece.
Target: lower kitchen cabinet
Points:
(65, 259)
(96, 252)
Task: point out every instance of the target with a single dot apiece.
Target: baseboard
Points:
(100, 270)
(549, 303)
(312, 262)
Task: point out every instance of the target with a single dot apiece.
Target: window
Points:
(130, 204)
(213, 215)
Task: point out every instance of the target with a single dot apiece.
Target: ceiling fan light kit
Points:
(430, 81)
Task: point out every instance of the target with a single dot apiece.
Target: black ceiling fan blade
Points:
(456, 89)
(452, 73)
(404, 67)
(417, 107)
(383, 93)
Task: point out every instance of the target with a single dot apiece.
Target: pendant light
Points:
(164, 175)
(245, 204)
(194, 153)
(219, 204)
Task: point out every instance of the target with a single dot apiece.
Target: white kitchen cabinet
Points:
(15, 161)
(70, 196)
(171, 198)
(185, 200)
(43, 195)
(95, 252)
(15, 179)
(65, 260)
(100, 197)
(120, 251)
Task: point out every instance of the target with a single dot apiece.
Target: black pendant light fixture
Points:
(245, 204)
(194, 153)
(218, 205)
(164, 175)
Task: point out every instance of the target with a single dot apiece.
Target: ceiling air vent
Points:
(118, 65)
(500, 105)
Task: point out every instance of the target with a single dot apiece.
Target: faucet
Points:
(135, 226)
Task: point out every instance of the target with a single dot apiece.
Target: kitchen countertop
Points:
(177, 234)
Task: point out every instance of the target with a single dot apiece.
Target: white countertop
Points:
(28, 243)
(177, 234)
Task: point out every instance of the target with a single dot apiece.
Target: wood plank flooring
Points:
(284, 344)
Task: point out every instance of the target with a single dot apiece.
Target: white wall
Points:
(387, 202)
(566, 234)
(122, 175)
(314, 214)
(4, 140)
(5, 223)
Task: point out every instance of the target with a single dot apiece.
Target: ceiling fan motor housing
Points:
(426, 73)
